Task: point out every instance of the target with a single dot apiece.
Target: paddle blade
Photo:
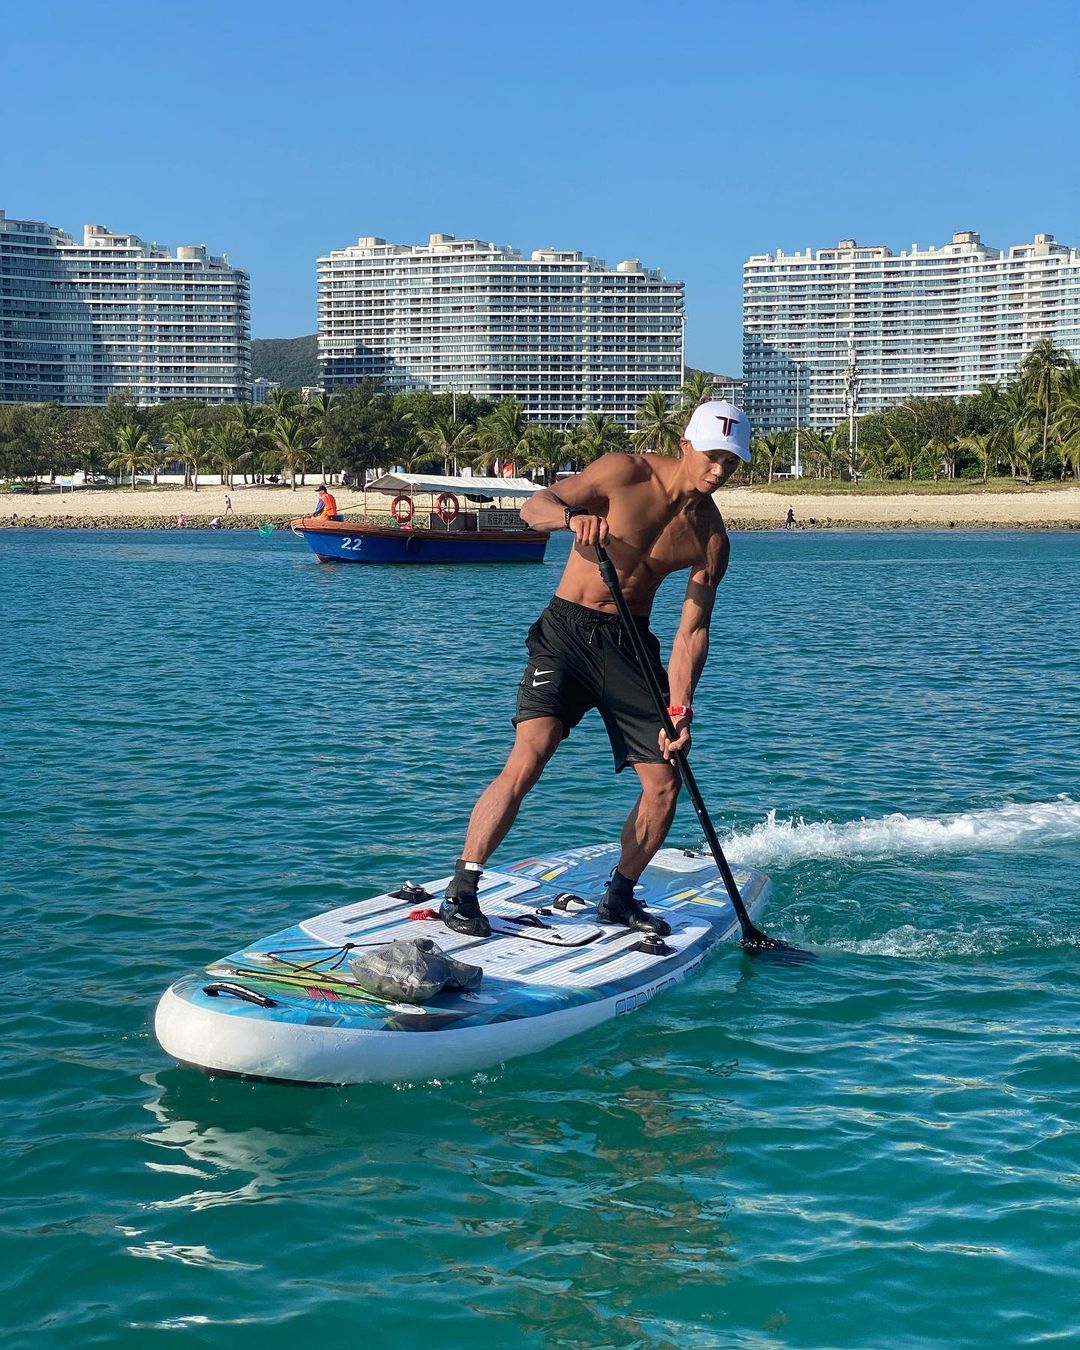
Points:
(756, 943)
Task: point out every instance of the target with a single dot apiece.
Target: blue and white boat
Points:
(457, 519)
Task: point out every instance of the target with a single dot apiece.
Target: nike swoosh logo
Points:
(542, 672)
(537, 683)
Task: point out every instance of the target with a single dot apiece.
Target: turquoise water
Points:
(206, 736)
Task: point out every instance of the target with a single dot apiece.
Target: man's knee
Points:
(661, 785)
(534, 747)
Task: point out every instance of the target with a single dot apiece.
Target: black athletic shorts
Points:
(580, 658)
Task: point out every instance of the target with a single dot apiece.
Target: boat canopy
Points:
(478, 487)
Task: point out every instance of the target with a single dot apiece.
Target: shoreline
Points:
(1037, 508)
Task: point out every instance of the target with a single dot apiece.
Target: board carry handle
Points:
(238, 991)
(753, 939)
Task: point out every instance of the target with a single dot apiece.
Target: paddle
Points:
(753, 939)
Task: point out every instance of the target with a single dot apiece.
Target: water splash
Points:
(778, 843)
(1003, 938)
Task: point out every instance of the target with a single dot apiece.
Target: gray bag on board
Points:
(413, 970)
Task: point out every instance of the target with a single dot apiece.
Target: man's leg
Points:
(648, 823)
(643, 834)
(536, 741)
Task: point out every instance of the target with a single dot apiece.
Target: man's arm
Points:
(590, 490)
(690, 649)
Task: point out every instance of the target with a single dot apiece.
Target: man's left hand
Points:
(681, 742)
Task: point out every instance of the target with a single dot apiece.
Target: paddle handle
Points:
(751, 934)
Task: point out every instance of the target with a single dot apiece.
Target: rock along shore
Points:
(1046, 507)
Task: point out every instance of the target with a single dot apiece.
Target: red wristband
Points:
(679, 710)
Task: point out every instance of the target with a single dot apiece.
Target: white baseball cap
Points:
(719, 425)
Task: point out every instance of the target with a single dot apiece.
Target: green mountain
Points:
(291, 362)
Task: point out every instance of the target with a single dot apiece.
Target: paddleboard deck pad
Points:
(288, 1009)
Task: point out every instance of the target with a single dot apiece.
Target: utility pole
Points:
(852, 386)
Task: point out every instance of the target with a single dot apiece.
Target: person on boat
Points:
(656, 515)
(326, 505)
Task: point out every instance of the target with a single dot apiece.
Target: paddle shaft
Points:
(751, 934)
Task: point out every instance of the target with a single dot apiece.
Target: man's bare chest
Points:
(664, 545)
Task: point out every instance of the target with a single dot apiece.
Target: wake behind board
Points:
(286, 1008)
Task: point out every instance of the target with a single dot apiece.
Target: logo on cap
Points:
(728, 422)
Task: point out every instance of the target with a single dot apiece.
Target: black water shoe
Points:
(628, 910)
(462, 914)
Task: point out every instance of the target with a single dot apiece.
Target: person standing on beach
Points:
(656, 515)
(228, 505)
(789, 524)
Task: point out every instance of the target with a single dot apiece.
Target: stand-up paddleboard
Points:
(287, 1008)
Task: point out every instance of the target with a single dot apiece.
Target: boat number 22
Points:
(349, 542)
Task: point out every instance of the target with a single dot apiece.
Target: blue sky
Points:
(688, 135)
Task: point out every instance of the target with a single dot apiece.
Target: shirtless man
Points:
(655, 515)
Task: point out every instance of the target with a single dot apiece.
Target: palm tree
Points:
(545, 450)
(907, 454)
(321, 405)
(938, 457)
(290, 439)
(250, 419)
(903, 432)
(133, 449)
(879, 459)
(227, 441)
(447, 440)
(188, 437)
(838, 443)
(597, 434)
(982, 446)
(697, 388)
(415, 454)
(1067, 422)
(814, 451)
(767, 450)
(320, 412)
(1040, 373)
(658, 425)
(1021, 447)
(1015, 418)
(501, 436)
(282, 402)
(1069, 455)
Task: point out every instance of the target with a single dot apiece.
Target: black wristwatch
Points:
(572, 511)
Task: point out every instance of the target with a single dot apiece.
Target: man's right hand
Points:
(589, 529)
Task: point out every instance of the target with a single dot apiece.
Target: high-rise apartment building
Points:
(731, 388)
(563, 334)
(81, 320)
(822, 328)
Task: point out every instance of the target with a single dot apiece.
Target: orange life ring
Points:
(401, 508)
(447, 507)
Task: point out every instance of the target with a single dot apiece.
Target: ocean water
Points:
(207, 735)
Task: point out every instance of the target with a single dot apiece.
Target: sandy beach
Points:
(1046, 507)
